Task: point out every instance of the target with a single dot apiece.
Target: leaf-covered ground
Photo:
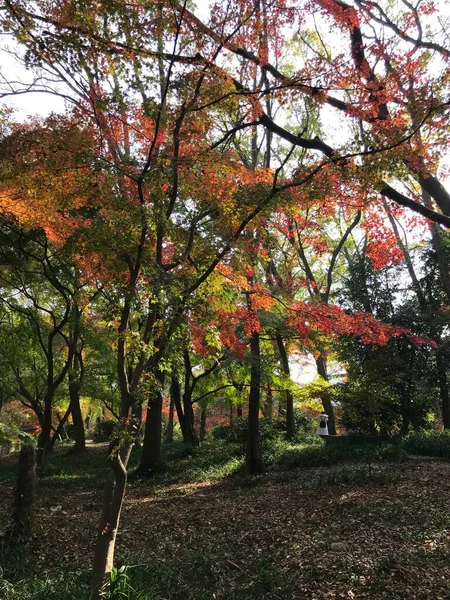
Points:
(347, 531)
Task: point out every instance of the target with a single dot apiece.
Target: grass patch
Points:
(293, 456)
(181, 463)
(62, 584)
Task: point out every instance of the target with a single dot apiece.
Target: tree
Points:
(38, 294)
(173, 193)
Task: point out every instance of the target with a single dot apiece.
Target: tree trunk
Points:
(190, 435)
(443, 388)
(326, 402)
(254, 460)
(75, 409)
(168, 438)
(442, 259)
(136, 411)
(57, 431)
(231, 414)
(406, 396)
(203, 425)
(239, 411)
(268, 404)
(290, 423)
(175, 392)
(62, 433)
(185, 414)
(46, 429)
(24, 493)
(109, 524)
(151, 447)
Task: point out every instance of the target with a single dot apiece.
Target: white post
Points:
(322, 429)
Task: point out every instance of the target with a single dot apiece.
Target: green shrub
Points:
(11, 436)
(237, 431)
(105, 431)
(315, 456)
(430, 443)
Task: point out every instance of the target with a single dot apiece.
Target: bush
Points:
(316, 456)
(105, 431)
(237, 432)
(429, 443)
(11, 438)
(305, 423)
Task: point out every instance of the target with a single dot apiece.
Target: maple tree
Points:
(159, 173)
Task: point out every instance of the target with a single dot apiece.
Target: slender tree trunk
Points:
(109, 524)
(268, 404)
(175, 392)
(202, 424)
(290, 424)
(62, 433)
(24, 493)
(185, 414)
(151, 447)
(439, 248)
(254, 459)
(444, 389)
(57, 431)
(75, 409)
(44, 437)
(191, 434)
(231, 414)
(407, 396)
(137, 415)
(239, 413)
(168, 438)
(326, 402)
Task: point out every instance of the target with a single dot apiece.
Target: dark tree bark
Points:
(406, 397)
(444, 279)
(254, 459)
(112, 505)
(190, 433)
(24, 492)
(268, 404)
(202, 424)
(326, 402)
(151, 448)
(75, 379)
(444, 389)
(442, 259)
(290, 424)
(57, 432)
(62, 433)
(168, 438)
(185, 414)
(175, 392)
(44, 436)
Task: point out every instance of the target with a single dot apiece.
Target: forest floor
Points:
(357, 530)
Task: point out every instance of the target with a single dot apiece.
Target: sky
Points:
(43, 104)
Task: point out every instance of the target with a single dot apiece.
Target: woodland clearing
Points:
(349, 530)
